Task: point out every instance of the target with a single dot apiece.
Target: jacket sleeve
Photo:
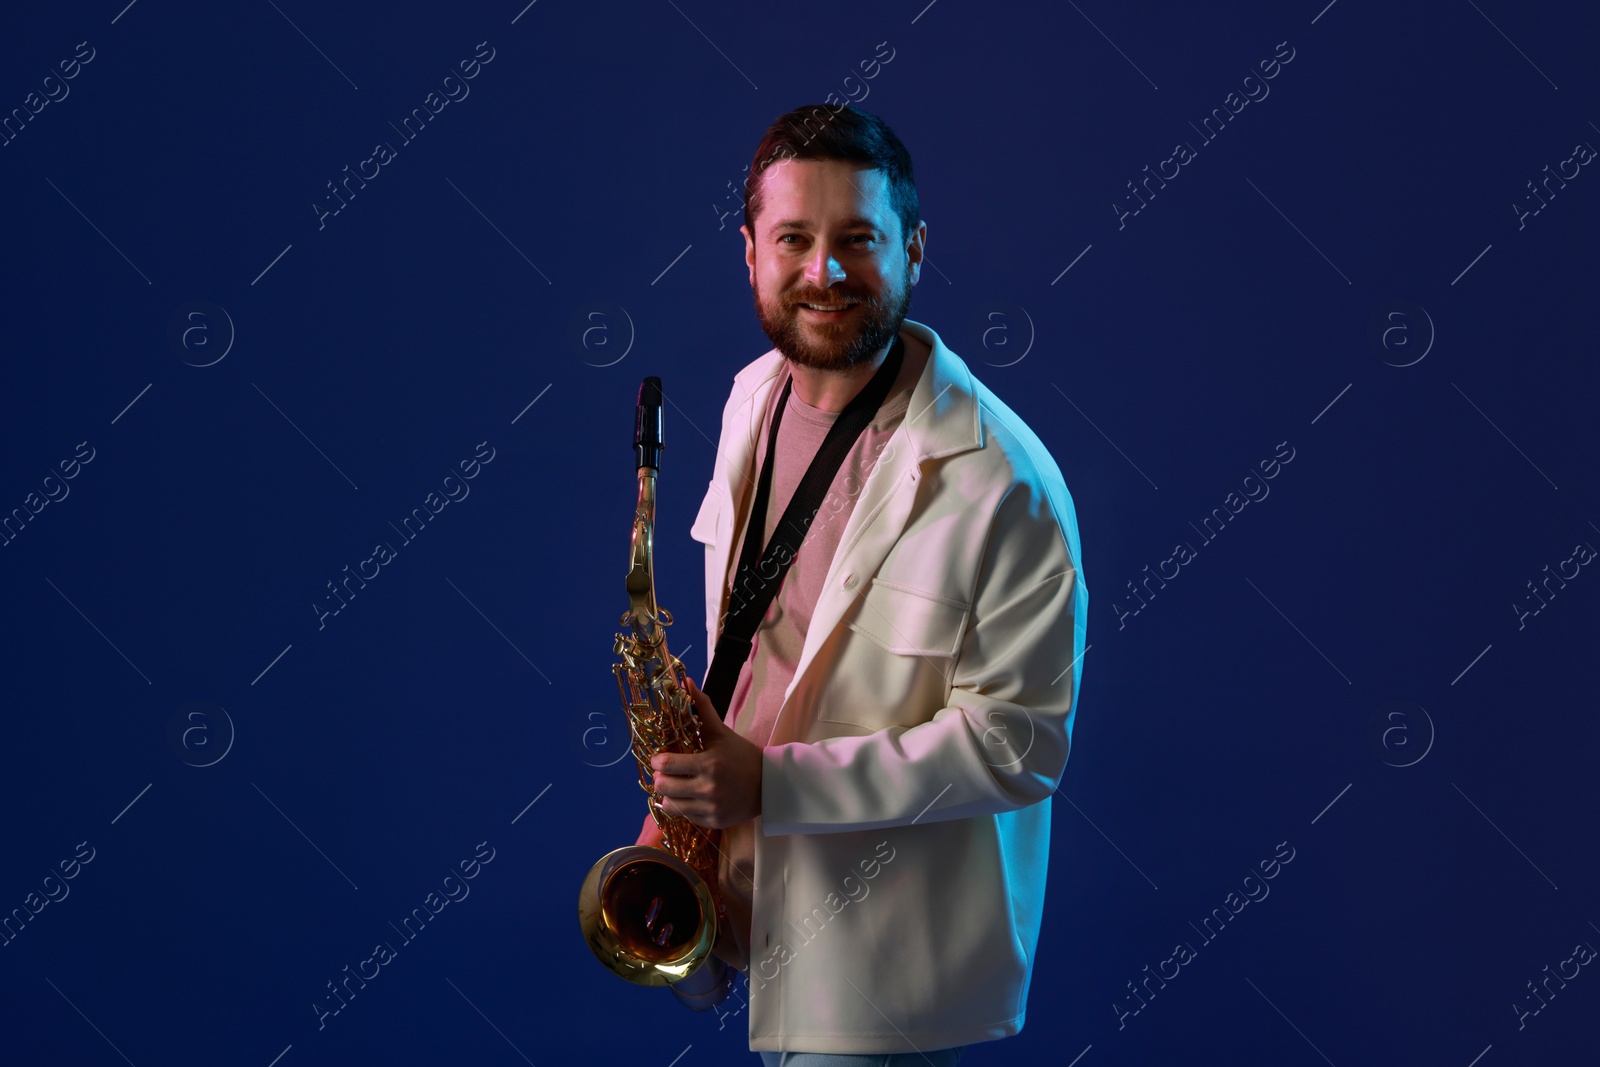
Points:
(1002, 740)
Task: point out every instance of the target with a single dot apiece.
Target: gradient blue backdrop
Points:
(1342, 270)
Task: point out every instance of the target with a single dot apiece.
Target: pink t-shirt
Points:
(778, 641)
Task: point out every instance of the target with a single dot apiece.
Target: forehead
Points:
(823, 193)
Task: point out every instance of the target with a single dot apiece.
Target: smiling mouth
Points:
(828, 309)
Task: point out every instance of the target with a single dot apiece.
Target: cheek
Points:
(770, 282)
(890, 277)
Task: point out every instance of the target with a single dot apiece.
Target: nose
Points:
(822, 269)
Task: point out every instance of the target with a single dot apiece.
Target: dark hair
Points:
(821, 132)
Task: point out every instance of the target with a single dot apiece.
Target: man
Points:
(883, 779)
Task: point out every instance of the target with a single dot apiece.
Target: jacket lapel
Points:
(736, 464)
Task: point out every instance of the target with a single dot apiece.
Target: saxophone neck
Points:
(641, 581)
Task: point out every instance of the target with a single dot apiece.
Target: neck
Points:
(832, 390)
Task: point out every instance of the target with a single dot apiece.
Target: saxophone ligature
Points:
(651, 914)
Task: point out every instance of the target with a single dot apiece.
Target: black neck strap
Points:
(761, 572)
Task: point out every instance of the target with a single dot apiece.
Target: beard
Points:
(834, 346)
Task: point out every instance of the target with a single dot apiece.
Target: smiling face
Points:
(828, 236)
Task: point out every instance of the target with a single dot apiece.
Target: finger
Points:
(678, 763)
(697, 814)
(697, 696)
(705, 711)
(694, 811)
(681, 785)
(670, 786)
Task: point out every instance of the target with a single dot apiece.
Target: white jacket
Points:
(901, 853)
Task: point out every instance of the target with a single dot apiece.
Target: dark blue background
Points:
(588, 172)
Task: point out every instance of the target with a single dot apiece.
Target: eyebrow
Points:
(805, 224)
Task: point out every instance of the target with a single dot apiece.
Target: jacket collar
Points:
(942, 418)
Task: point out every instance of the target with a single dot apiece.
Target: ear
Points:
(749, 253)
(914, 250)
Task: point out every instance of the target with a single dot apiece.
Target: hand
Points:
(718, 787)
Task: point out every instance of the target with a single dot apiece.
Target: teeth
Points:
(827, 307)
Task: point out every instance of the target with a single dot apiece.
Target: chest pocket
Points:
(909, 622)
(900, 674)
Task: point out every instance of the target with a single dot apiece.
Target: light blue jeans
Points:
(943, 1057)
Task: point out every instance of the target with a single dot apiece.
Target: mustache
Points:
(829, 298)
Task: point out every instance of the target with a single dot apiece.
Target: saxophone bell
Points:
(647, 915)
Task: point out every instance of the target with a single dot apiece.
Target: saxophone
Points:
(651, 914)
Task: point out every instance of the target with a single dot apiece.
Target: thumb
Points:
(705, 711)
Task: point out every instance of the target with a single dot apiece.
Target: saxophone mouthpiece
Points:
(647, 443)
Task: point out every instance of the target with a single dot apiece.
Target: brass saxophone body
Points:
(651, 914)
